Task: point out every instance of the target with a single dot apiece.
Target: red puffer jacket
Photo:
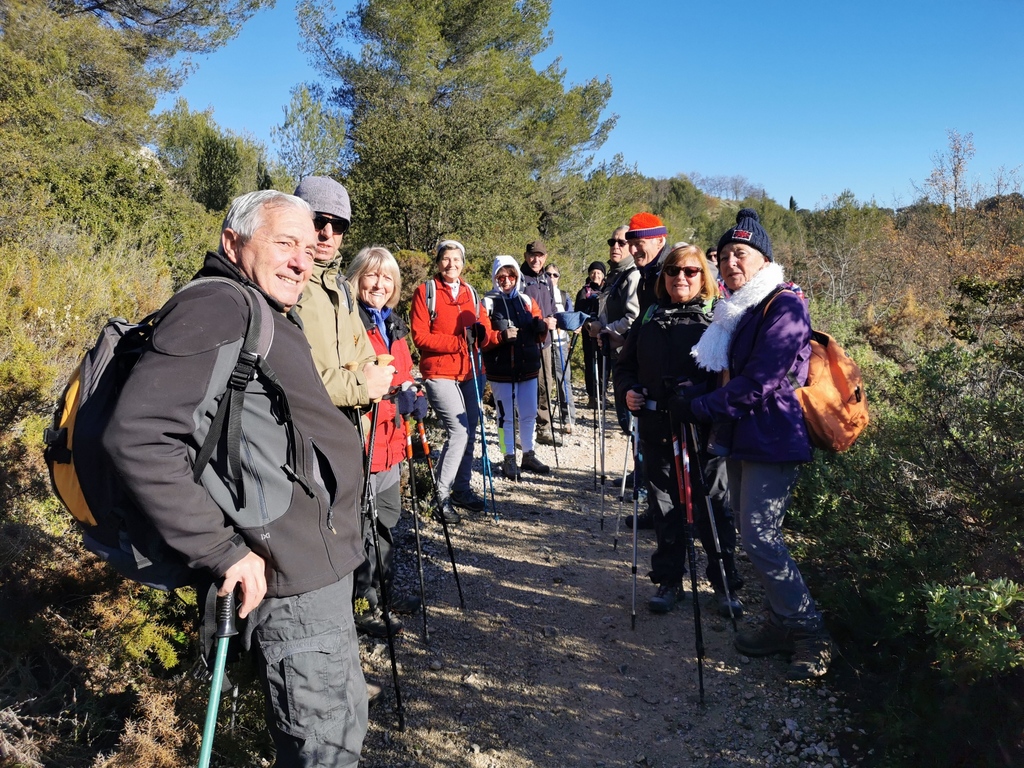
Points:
(389, 447)
(442, 343)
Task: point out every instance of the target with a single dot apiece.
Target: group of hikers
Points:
(703, 348)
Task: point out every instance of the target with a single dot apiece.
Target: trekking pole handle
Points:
(226, 610)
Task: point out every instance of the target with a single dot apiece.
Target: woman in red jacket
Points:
(443, 309)
(377, 285)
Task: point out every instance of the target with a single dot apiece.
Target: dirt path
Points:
(543, 668)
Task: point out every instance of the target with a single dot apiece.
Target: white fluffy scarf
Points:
(712, 351)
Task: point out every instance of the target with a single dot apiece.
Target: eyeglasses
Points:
(338, 226)
(673, 270)
(612, 241)
(505, 278)
(552, 274)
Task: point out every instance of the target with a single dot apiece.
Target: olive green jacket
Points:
(330, 319)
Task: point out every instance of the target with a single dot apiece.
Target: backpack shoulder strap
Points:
(345, 289)
(431, 300)
(259, 335)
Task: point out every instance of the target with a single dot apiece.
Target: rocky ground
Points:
(544, 666)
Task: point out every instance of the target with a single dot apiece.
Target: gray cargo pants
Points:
(308, 659)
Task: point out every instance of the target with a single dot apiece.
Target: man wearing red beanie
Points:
(647, 238)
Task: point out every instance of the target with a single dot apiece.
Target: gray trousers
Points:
(760, 496)
(546, 391)
(454, 402)
(307, 653)
(387, 490)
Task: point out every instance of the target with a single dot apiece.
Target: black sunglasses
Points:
(552, 274)
(338, 226)
(673, 270)
(613, 241)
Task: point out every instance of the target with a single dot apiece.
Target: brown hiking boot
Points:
(509, 468)
(531, 463)
(769, 639)
(812, 652)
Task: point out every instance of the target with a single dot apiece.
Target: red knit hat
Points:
(645, 225)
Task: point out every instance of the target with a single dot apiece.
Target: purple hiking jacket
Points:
(769, 351)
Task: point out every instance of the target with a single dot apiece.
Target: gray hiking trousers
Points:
(307, 653)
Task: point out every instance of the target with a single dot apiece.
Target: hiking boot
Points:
(407, 603)
(812, 652)
(372, 623)
(448, 513)
(467, 500)
(544, 437)
(769, 639)
(509, 468)
(644, 521)
(725, 601)
(665, 598)
(531, 463)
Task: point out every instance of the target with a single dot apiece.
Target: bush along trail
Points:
(543, 667)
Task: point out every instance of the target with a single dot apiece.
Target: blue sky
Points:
(803, 98)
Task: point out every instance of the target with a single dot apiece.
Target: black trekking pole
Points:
(416, 523)
(565, 387)
(440, 512)
(622, 486)
(600, 393)
(604, 377)
(225, 631)
(369, 509)
(546, 370)
(485, 458)
(634, 428)
(691, 432)
(682, 464)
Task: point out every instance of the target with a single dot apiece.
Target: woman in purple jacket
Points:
(760, 342)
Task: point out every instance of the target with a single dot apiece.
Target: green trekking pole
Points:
(225, 631)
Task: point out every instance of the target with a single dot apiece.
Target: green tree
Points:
(311, 138)
(212, 164)
(452, 130)
(153, 31)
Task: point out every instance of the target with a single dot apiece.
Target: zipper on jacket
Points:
(257, 480)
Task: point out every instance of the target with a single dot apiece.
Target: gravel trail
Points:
(544, 669)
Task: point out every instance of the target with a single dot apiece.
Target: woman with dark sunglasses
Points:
(654, 366)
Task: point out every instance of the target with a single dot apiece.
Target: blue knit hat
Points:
(748, 230)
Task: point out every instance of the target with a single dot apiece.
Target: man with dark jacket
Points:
(621, 310)
(537, 286)
(588, 301)
(286, 533)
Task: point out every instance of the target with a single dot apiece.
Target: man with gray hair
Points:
(285, 531)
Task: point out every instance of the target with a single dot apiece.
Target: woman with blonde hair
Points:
(377, 284)
(654, 366)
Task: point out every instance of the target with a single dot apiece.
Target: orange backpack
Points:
(833, 400)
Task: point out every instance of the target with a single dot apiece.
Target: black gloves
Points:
(681, 409)
(409, 402)
(539, 326)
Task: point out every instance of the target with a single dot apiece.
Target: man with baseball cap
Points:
(537, 286)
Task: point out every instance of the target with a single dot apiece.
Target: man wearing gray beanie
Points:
(341, 349)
